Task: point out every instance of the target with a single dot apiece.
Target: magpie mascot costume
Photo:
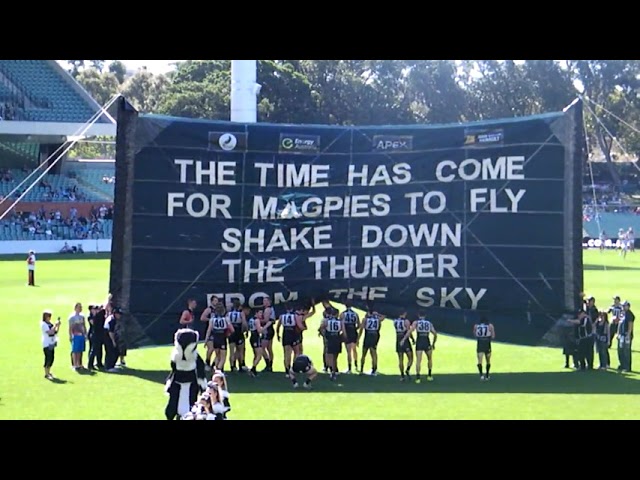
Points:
(187, 378)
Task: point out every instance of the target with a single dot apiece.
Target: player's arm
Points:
(229, 324)
(184, 318)
(268, 314)
(300, 323)
(412, 329)
(323, 326)
(407, 327)
(243, 321)
(360, 330)
(357, 320)
(492, 331)
(312, 310)
(205, 315)
(259, 326)
(343, 327)
(475, 331)
(435, 336)
(278, 328)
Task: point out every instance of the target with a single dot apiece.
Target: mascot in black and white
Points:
(187, 378)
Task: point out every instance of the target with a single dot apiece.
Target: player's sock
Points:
(253, 370)
(349, 366)
(429, 373)
(242, 364)
(488, 368)
(294, 381)
(480, 368)
(307, 381)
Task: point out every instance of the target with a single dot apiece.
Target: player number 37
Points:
(482, 331)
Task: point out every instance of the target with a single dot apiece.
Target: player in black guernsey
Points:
(371, 327)
(216, 336)
(331, 328)
(255, 333)
(291, 324)
(424, 330)
(484, 333)
(402, 326)
(351, 322)
(304, 314)
(237, 318)
(325, 354)
(302, 364)
(268, 332)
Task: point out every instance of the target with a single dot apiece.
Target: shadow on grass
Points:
(83, 371)
(589, 266)
(59, 381)
(569, 382)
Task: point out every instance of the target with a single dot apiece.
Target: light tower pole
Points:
(244, 91)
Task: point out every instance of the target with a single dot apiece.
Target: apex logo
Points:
(392, 143)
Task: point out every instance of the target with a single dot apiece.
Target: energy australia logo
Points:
(299, 144)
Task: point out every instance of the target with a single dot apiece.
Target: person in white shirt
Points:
(31, 268)
(49, 341)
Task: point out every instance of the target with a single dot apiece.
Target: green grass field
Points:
(527, 382)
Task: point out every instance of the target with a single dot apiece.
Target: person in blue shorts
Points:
(77, 336)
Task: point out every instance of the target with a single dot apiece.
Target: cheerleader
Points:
(219, 380)
(208, 407)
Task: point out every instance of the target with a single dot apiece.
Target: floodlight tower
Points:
(244, 91)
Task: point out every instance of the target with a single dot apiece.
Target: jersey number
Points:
(482, 331)
(219, 323)
(372, 324)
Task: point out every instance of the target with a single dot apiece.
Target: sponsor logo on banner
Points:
(227, 142)
(393, 143)
(299, 143)
(479, 138)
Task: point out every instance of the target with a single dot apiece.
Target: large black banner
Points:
(457, 220)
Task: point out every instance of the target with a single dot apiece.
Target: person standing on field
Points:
(31, 269)
(77, 336)
(49, 341)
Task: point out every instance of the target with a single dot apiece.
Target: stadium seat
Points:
(49, 96)
(610, 223)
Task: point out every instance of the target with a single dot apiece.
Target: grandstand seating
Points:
(91, 187)
(95, 179)
(611, 223)
(11, 231)
(52, 98)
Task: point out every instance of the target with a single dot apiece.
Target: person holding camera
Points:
(49, 341)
